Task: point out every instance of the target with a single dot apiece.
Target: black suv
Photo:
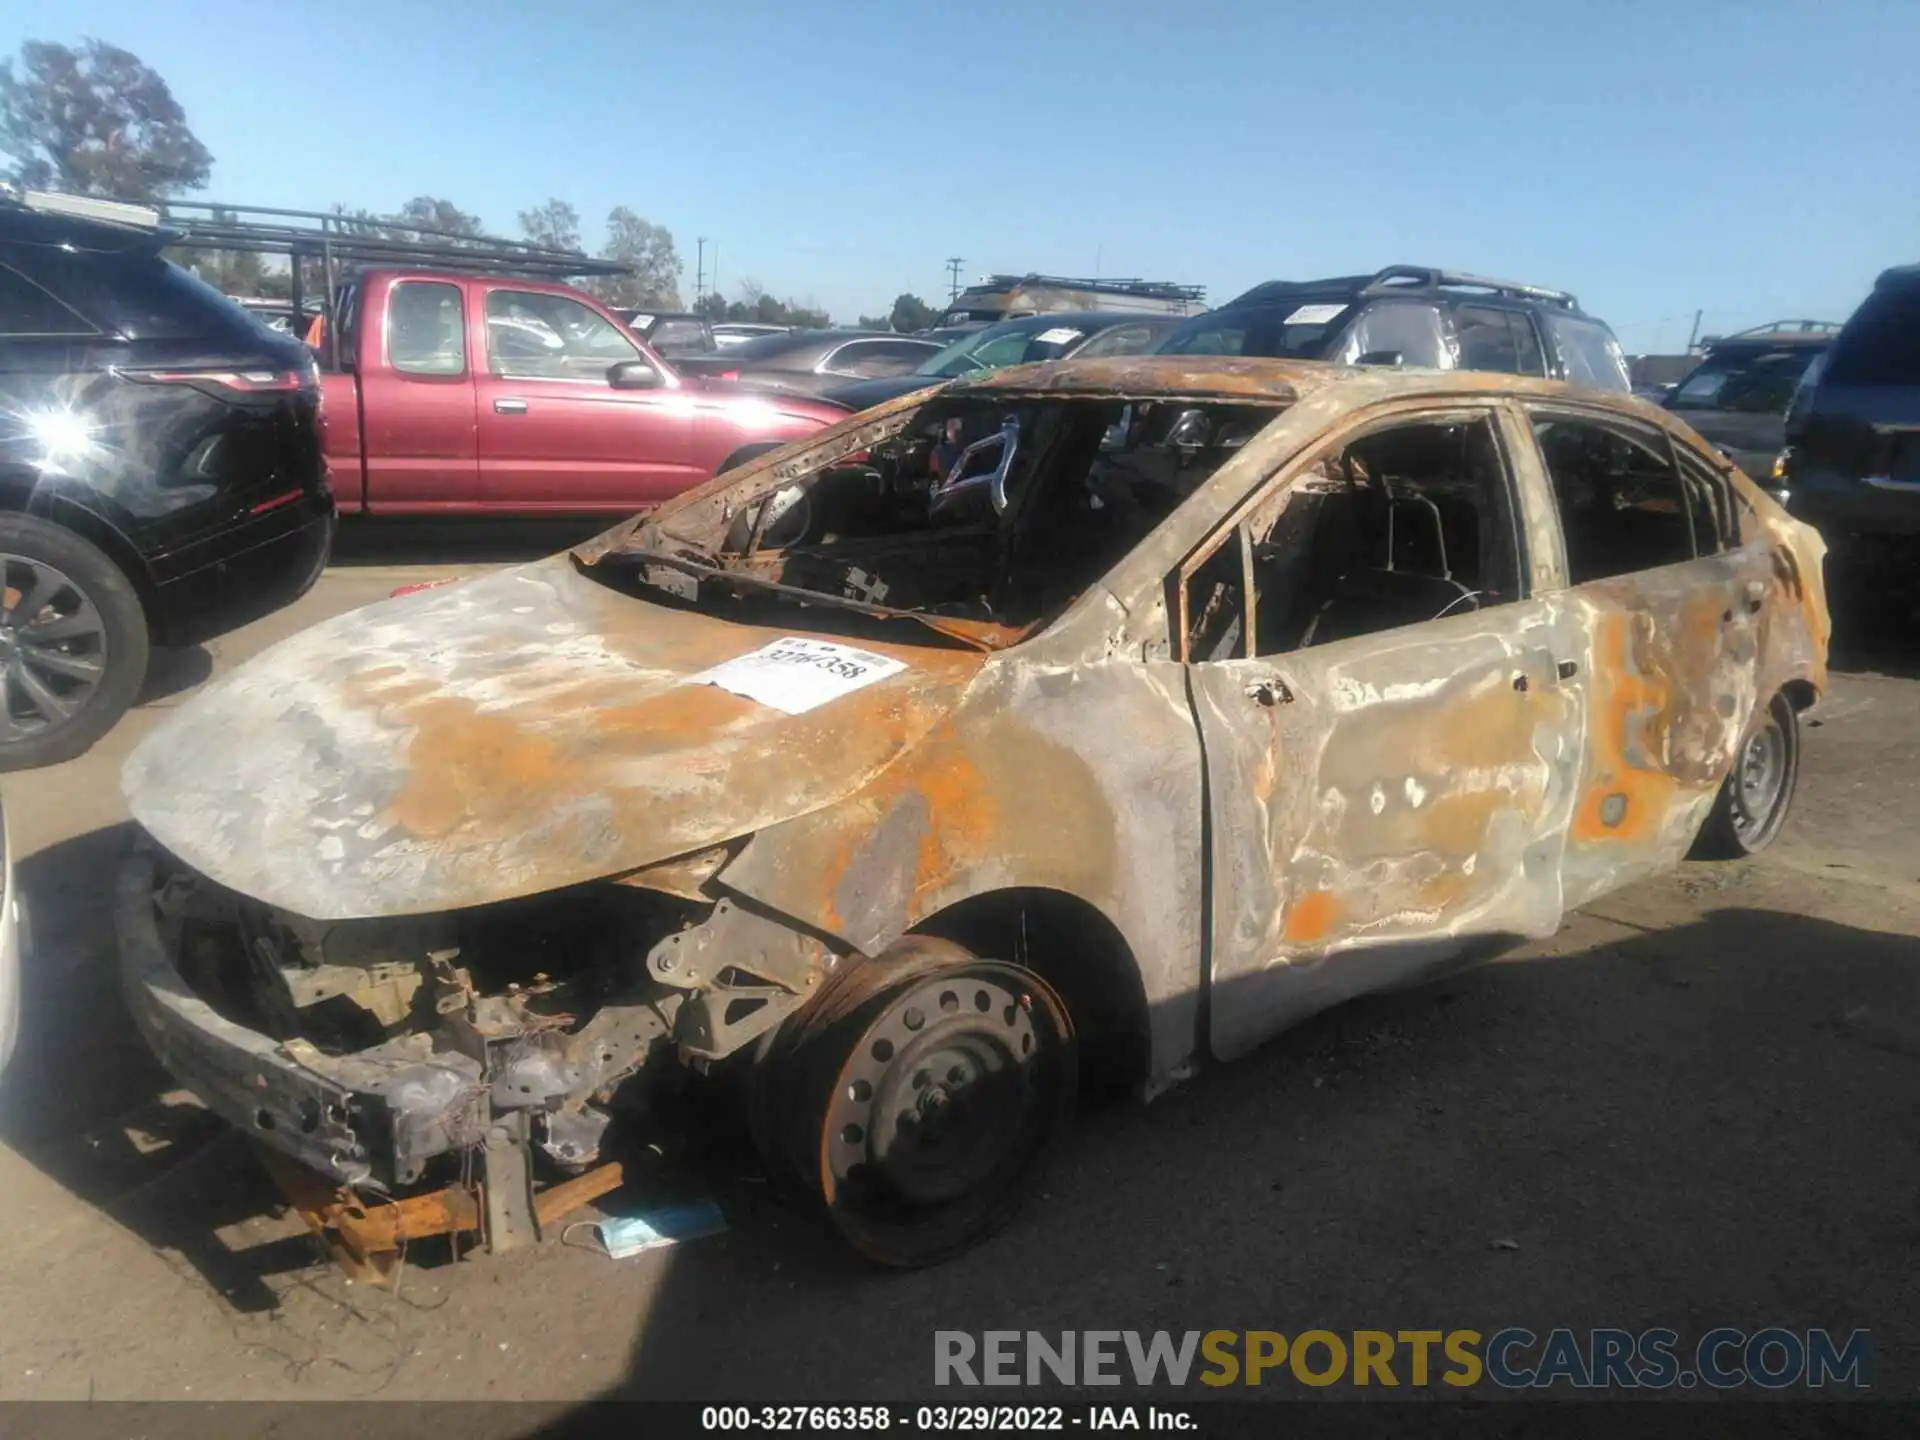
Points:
(1413, 315)
(1852, 464)
(1737, 396)
(160, 469)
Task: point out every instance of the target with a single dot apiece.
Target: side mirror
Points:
(1382, 357)
(632, 375)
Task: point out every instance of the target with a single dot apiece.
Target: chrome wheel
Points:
(53, 648)
(1758, 782)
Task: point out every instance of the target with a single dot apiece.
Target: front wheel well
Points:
(1082, 954)
(1800, 694)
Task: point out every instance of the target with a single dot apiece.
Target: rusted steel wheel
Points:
(926, 1098)
(1758, 791)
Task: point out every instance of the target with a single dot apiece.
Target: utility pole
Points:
(700, 269)
(953, 277)
(1694, 334)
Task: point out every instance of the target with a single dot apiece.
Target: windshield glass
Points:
(1750, 382)
(976, 515)
(1018, 342)
(1590, 354)
(1297, 329)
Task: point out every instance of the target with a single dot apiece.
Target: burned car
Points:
(1082, 721)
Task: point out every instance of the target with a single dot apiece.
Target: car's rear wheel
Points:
(1758, 791)
(73, 643)
(921, 1103)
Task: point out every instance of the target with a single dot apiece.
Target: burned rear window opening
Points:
(978, 517)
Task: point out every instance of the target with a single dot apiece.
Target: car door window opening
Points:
(426, 329)
(1407, 523)
(532, 336)
(1622, 505)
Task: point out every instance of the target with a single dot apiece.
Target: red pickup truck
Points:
(484, 394)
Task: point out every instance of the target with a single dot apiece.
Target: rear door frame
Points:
(1674, 656)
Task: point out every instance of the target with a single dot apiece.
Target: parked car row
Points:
(810, 362)
(172, 472)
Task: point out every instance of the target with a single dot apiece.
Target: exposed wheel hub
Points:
(938, 1092)
(1762, 772)
(922, 1103)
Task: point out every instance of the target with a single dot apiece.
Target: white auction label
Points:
(1057, 336)
(796, 674)
(1313, 314)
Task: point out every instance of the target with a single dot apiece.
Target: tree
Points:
(648, 250)
(911, 313)
(431, 213)
(757, 306)
(361, 221)
(555, 224)
(875, 322)
(96, 121)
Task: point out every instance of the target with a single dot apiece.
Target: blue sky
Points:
(1753, 160)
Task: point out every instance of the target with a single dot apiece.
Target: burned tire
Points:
(920, 1102)
(73, 643)
(1757, 793)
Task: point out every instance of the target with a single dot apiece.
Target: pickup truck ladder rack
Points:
(334, 239)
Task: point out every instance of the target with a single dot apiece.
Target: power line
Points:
(953, 277)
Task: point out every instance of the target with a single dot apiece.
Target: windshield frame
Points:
(692, 535)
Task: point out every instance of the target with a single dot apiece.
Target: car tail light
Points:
(246, 382)
(728, 375)
(276, 502)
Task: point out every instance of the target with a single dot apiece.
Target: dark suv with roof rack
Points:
(160, 469)
(1413, 315)
(1737, 396)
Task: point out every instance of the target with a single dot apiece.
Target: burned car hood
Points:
(503, 736)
